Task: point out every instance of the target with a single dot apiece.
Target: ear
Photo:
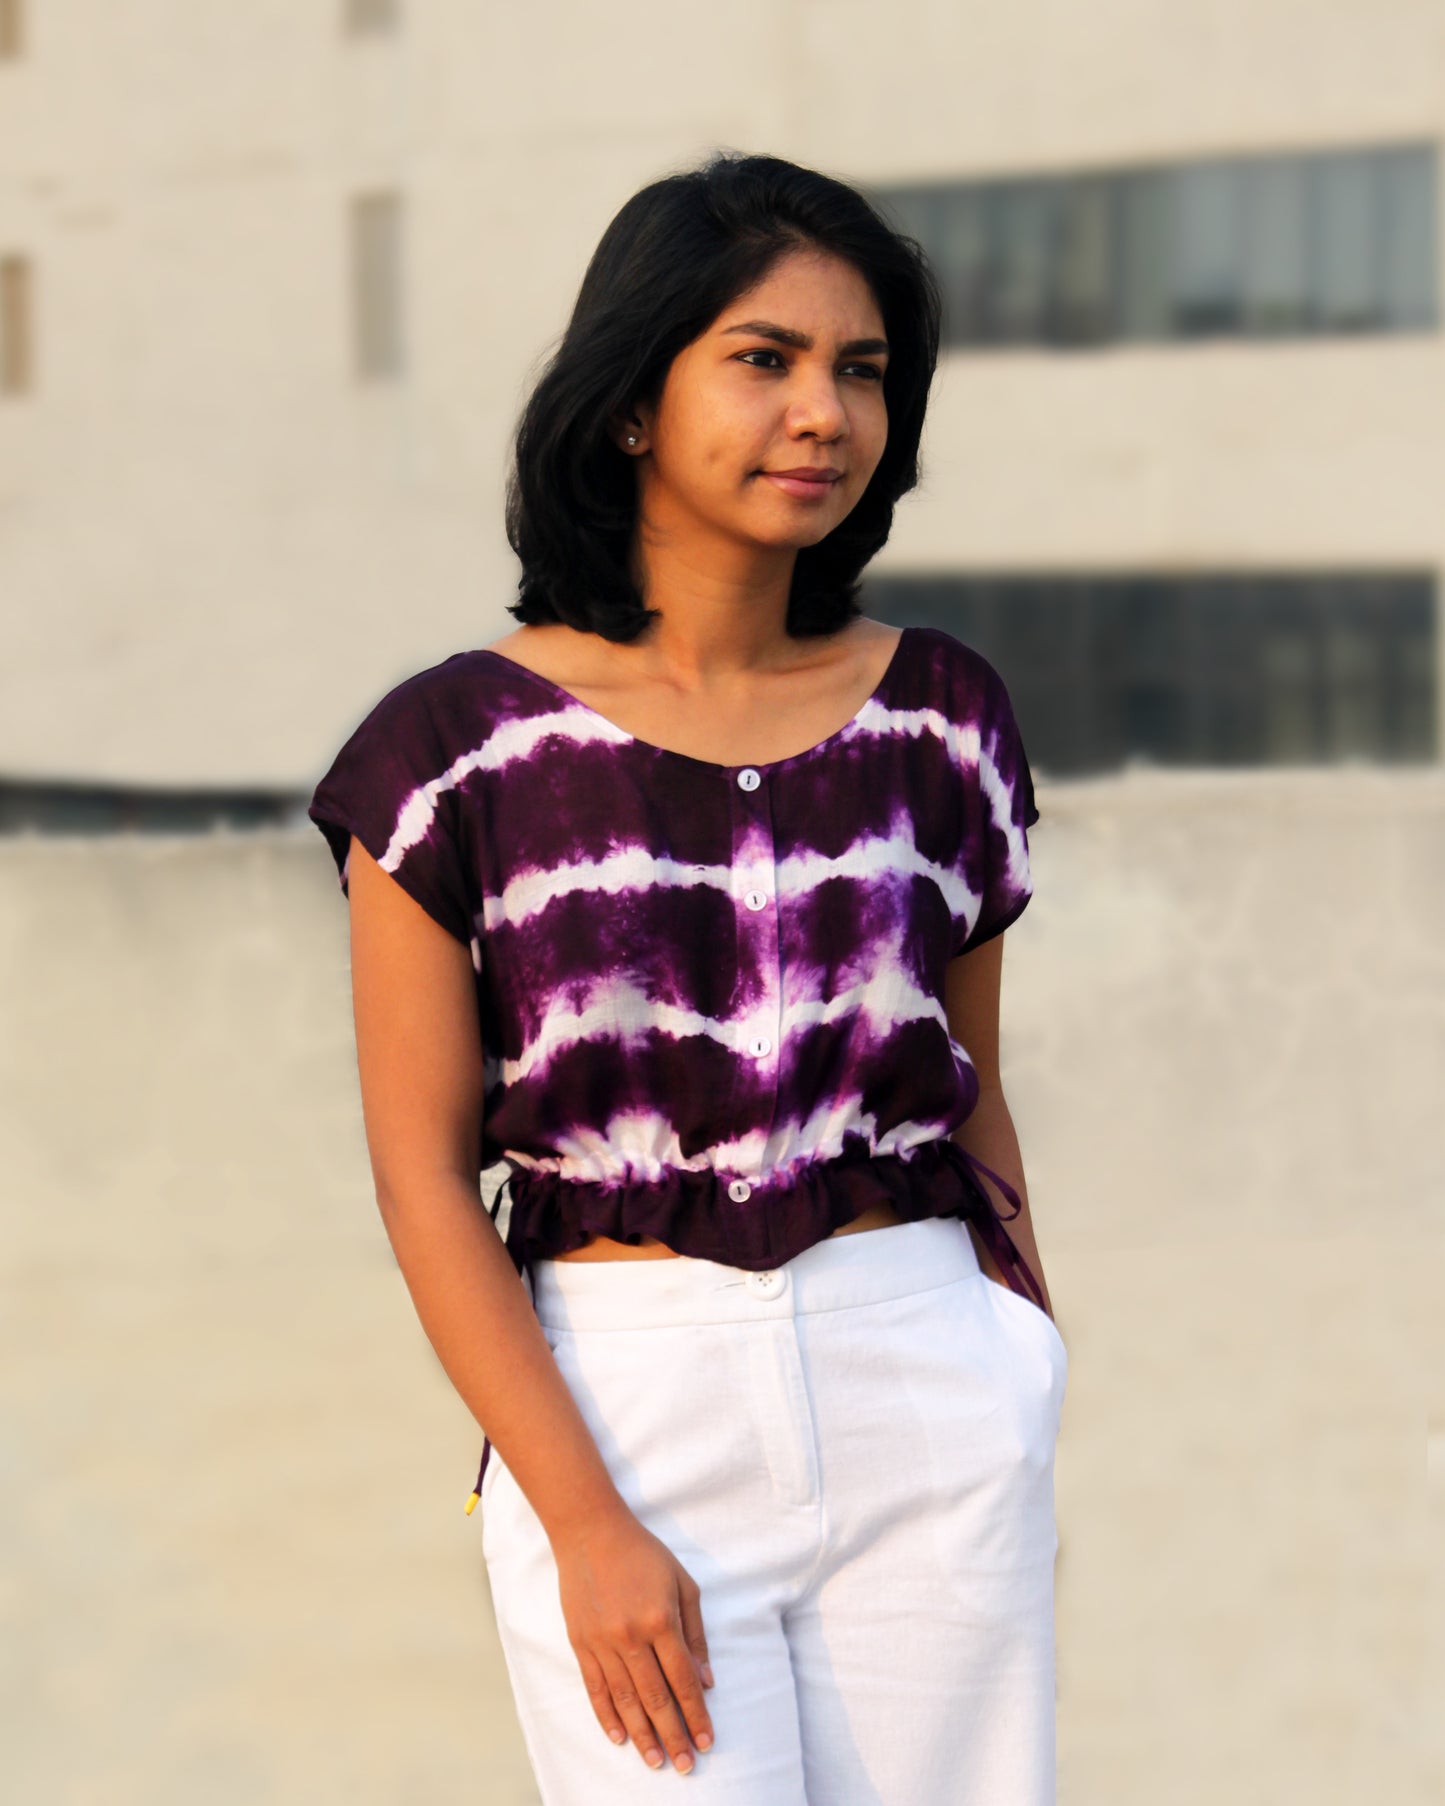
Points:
(633, 425)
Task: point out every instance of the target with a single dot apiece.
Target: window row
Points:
(1339, 241)
(359, 17)
(376, 278)
(36, 807)
(12, 29)
(1251, 247)
(1226, 670)
(1103, 672)
(363, 16)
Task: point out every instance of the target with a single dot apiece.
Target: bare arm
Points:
(420, 1061)
(971, 1001)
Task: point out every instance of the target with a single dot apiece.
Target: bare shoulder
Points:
(861, 635)
(553, 650)
(866, 632)
(514, 643)
(864, 627)
(863, 647)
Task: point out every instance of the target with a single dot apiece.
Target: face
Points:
(788, 377)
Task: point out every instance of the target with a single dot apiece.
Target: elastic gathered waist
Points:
(864, 1267)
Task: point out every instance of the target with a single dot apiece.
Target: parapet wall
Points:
(234, 1526)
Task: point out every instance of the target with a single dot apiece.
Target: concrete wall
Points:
(233, 1561)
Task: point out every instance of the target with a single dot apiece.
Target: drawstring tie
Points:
(523, 1265)
(975, 1206)
(989, 1219)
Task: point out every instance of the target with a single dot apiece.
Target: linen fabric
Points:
(853, 1456)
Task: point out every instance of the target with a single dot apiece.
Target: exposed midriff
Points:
(602, 1247)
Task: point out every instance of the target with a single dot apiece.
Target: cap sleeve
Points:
(999, 811)
(393, 786)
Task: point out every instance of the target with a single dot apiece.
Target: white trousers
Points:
(853, 1457)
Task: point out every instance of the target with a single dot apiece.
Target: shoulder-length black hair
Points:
(679, 252)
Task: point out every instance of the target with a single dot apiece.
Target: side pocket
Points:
(1041, 1319)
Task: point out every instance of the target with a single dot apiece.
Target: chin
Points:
(798, 539)
(803, 530)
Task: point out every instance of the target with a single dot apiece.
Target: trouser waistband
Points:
(861, 1267)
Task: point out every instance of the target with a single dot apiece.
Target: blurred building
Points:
(274, 282)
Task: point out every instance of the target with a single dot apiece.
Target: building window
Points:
(1231, 669)
(10, 29)
(376, 282)
(76, 808)
(365, 17)
(1274, 251)
(1326, 242)
(16, 337)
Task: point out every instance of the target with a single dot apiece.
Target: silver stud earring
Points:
(632, 438)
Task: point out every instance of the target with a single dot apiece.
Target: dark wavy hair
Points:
(678, 253)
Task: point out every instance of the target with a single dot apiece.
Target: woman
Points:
(685, 900)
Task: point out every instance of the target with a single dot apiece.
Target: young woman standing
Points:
(686, 901)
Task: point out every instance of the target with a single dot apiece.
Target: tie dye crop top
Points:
(710, 996)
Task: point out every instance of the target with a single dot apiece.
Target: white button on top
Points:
(771, 1284)
(739, 1190)
(760, 1045)
(748, 779)
(756, 899)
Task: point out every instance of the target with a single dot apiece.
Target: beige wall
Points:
(233, 1559)
(216, 551)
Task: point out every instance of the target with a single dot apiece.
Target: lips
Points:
(810, 485)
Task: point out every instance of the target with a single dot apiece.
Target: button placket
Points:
(755, 869)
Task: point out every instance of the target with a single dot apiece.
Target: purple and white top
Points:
(710, 996)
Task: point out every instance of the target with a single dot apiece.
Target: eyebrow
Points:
(788, 335)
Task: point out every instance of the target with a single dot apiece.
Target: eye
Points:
(870, 371)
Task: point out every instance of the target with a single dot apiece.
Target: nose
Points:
(816, 406)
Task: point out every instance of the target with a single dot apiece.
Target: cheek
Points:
(734, 443)
(694, 458)
(872, 430)
(718, 440)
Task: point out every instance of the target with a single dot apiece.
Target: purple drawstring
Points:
(990, 1220)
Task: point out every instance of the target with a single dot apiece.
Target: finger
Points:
(677, 1664)
(600, 1695)
(690, 1604)
(658, 1703)
(628, 1701)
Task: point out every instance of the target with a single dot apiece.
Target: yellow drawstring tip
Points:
(472, 1503)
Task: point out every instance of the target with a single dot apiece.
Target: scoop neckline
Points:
(624, 738)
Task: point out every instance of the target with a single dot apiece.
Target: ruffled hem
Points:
(691, 1212)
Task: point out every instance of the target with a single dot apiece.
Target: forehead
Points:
(808, 287)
